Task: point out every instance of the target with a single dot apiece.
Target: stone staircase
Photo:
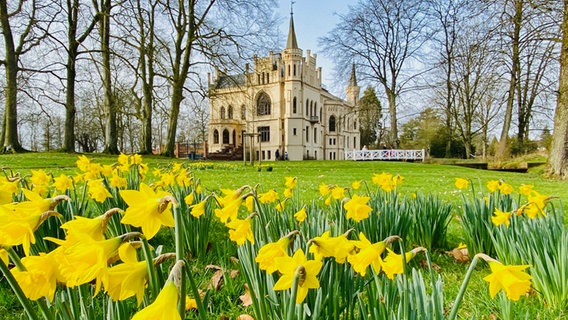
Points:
(227, 154)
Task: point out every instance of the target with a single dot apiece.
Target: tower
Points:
(353, 89)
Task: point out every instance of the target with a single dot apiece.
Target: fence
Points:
(385, 154)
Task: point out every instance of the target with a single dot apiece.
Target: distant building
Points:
(281, 105)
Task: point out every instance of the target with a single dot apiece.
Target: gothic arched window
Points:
(225, 136)
(230, 113)
(215, 136)
(243, 113)
(294, 105)
(332, 123)
(222, 112)
(263, 104)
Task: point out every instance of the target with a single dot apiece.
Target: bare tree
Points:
(28, 37)
(558, 159)
(382, 37)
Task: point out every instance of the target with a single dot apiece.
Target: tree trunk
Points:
(111, 132)
(558, 159)
(70, 109)
(501, 151)
(392, 113)
(11, 141)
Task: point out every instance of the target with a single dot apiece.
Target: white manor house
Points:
(280, 110)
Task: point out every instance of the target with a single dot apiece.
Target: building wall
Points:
(302, 132)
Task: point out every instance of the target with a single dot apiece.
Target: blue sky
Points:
(314, 19)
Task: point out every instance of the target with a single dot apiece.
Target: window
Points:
(294, 130)
(268, 78)
(264, 134)
(230, 112)
(225, 136)
(355, 125)
(243, 113)
(307, 106)
(307, 134)
(263, 104)
(294, 69)
(215, 136)
(332, 124)
(222, 112)
(294, 105)
(269, 154)
(315, 135)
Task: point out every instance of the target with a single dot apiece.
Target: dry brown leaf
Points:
(460, 255)
(424, 264)
(246, 299)
(245, 317)
(212, 266)
(234, 260)
(216, 280)
(234, 273)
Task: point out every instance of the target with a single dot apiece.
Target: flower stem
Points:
(178, 234)
(152, 276)
(292, 302)
(463, 287)
(18, 291)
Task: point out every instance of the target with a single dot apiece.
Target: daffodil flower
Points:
(39, 278)
(461, 183)
(357, 208)
(241, 231)
(511, 279)
(326, 246)
(369, 254)
(301, 215)
(128, 278)
(393, 264)
(266, 257)
(501, 217)
(147, 209)
(298, 266)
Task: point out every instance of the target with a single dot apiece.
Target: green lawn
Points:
(418, 177)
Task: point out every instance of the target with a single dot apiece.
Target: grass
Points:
(418, 177)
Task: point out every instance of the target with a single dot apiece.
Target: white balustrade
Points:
(385, 154)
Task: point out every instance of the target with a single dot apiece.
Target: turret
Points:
(353, 90)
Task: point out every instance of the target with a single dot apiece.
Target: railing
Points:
(385, 154)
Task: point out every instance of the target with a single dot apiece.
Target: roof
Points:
(230, 81)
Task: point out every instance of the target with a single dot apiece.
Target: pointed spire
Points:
(292, 43)
(353, 79)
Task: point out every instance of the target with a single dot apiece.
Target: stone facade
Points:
(280, 108)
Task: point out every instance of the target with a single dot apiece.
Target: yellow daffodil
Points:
(381, 179)
(369, 254)
(98, 191)
(301, 215)
(229, 211)
(338, 192)
(137, 159)
(7, 190)
(326, 246)
(40, 181)
(147, 209)
(268, 197)
(87, 260)
(39, 277)
(240, 231)
(228, 196)
(188, 199)
(511, 279)
(393, 264)
(198, 209)
(537, 202)
(461, 183)
(190, 303)
(177, 167)
(4, 256)
(184, 178)
(62, 183)
(266, 257)
(357, 208)
(128, 278)
(298, 266)
(281, 205)
(499, 217)
(288, 193)
(249, 204)
(124, 162)
(526, 189)
(493, 185)
(117, 181)
(505, 188)
(355, 185)
(164, 307)
(291, 182)
(83, 163)
(328, 200)
(324, 189)
(167, 179)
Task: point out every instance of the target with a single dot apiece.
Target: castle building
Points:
(280, 110)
